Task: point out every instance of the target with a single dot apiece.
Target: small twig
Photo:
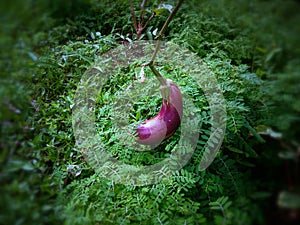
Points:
(160, 34)
(133, 16)
(157, 46)
(140, 28)
(143, 4)
(141, 20)
(162, 31)
(148, 21)
(160, 78)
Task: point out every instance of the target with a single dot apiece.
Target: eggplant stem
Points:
(161, 79)
(165, 91)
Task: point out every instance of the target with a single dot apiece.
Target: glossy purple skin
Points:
(162, 126)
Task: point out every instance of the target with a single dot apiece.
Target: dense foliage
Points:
(251, 46)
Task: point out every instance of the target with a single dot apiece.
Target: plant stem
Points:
(163, 29)
(148, 21)
(133, 16)
(141, 20)
(160, 78)
(143, 4)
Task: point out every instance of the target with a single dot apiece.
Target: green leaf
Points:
(234, 149)
(162, 8)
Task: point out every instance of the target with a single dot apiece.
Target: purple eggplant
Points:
(165, 123)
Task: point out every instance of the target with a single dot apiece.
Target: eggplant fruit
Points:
(165, 123)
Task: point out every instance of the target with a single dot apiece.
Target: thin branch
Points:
(162, 31)
(133, 16)
(163, 82)
(150, 18)
(142, 18)
(143, 4)
(159, 36)
(157, 46)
